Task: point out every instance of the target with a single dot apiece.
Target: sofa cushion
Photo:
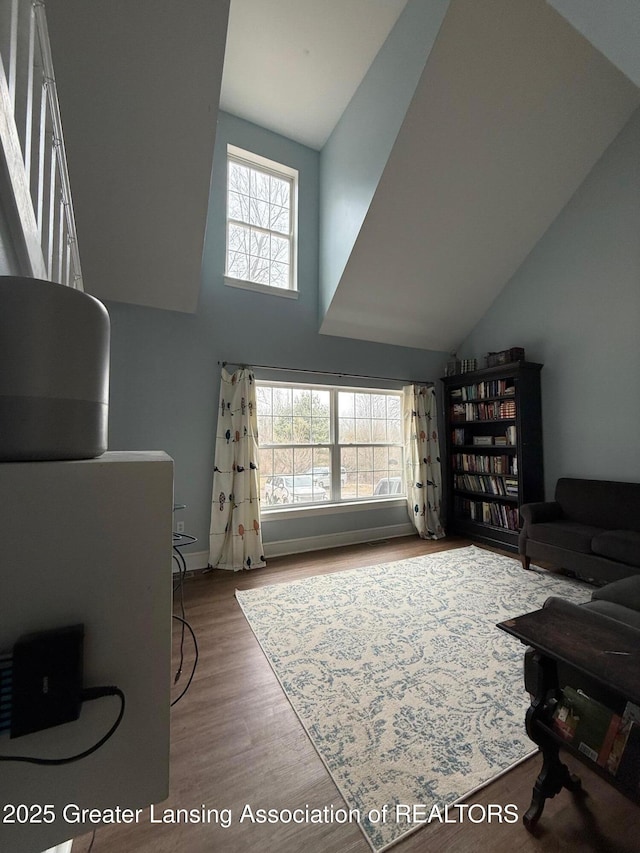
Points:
(620, 545)
(625, 592)
(565, 534)
(605, 503)
(615, 611)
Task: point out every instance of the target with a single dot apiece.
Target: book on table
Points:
(610, 740)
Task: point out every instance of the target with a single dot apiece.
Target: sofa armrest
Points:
(535, 513)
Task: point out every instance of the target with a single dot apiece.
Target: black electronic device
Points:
(46, 687)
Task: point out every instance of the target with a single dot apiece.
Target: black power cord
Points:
(182, 571)
(88, 695)
(195, 662)
(180, 540)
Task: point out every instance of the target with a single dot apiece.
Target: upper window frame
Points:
(279, 170)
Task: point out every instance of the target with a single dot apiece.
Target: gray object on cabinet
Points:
(54, 371)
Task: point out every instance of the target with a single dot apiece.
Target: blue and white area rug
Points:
(408, 691)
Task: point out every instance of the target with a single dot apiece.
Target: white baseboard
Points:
(199, 559)
(335, 540)
(195, 561)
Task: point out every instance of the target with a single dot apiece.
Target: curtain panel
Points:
(422, 460)
(235, 540)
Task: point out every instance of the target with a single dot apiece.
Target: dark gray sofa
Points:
(591, 529)
(618, 601)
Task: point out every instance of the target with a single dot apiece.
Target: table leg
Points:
(553, 777)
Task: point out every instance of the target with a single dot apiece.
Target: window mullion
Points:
(266, 231)
(336, 485)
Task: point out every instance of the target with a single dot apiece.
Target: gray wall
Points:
(357, 151)
(165, 376)
(610, 25)
(574, 305)
(139, 85)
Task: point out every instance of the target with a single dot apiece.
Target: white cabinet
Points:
(90, 542)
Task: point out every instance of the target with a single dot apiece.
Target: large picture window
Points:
(324, 443)
(261, 222)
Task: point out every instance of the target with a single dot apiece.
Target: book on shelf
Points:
(458, 437)
(621, 762)
(477, 462)
(483, 483)
(487, 388)
(508, 409)
(487, 512)
(628, 772)
(478, 411)
(588, 725)
(565, 721)
(610, 740)
(482, 440)
(511, 485)
(459, 412)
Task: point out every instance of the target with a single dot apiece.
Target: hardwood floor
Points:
(236, 742)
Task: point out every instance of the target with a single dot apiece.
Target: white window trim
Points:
(330, 508)
(248, 158)
(243, 284)
(279, 513)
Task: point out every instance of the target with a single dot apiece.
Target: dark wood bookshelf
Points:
(475, 513)
(486, 495)
(485, 421)
(478, 448)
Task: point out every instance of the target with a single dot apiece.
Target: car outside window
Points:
(322, 444)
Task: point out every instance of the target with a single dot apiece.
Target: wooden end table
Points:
(596, 649)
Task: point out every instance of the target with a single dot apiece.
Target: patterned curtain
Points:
(235, 540)
(422, 460)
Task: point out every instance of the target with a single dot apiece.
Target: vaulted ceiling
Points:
(139, 86)
(292, 66)
(515, 104)
(513, 109)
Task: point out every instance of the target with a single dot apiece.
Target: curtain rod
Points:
(325, 373)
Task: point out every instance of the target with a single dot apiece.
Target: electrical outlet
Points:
(180, 527)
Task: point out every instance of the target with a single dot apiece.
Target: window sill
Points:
(260, 288)
(328, 508)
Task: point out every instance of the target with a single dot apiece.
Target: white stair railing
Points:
(34, 181)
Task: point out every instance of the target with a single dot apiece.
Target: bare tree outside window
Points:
(260, 221)
(325, 443)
